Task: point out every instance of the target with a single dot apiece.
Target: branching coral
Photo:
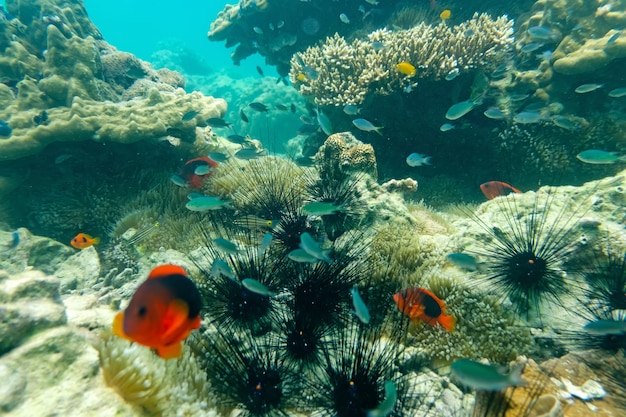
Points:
(348, 72)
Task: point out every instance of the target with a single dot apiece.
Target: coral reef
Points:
(347, 73)
(81, 88)
(341, 155)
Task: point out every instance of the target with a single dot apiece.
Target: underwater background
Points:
(313, 208)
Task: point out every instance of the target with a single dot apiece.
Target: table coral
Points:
(345, 73)
(54, 62)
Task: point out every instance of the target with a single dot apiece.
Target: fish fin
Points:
(515, 377)
(622, 158)
(176, 315)
(118, 326)
(96, 240)
(377, 130)
(448, 322)
(167, 269)
(515, 190)
(175, 350)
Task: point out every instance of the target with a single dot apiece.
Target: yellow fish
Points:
(445, 15)
(301, 77)
(406, 69)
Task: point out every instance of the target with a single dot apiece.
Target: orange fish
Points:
(162, 312)
(187, 172)
(419, 303)
(493, 189)
(82, 241)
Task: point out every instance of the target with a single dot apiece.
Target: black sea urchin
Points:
(228, 302)
(356, 370)
(524, 259)
(247, 374)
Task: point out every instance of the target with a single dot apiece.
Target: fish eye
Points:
(142, 311)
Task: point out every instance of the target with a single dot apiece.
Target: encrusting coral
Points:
(346, 73)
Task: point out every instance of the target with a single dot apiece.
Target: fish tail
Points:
(515, 377)
(448, 322)
(96, 240)
(622, 158)
(377, 130)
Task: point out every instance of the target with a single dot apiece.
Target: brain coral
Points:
(345, 73)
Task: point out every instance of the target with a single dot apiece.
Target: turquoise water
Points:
(141, 27)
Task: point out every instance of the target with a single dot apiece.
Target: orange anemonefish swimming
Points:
(83, 240)
(493, 189)
(162, 313)
(188, 173)
(419, 303)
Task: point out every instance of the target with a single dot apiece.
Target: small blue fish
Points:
(190, 115)
(351, 110)
(249, 153)
(5, 129)
(256, 287)
(226, 245)
(495, 113)
(528, 117)
(587, 88)
(313, 248)
(446, 127)
(454, 72)
(613, 37)
(543, 33)
(265, 244)
(417, 159)
(203, 170)
(15, 240)
(463, 260)
(618, 92)
(599, 157)
(366, 126)
(301, 256)
(220, 267)
(386, 407)
(206, 203)
(218, 157)
(360, 308)
(532, 47)
(179, 181)
(378, 45)
(458, 110)
(324, 122)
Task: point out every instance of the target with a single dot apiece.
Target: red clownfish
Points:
(83, 240)
(493, 189)
(419, 303)
(162, 312)
(188, 171)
